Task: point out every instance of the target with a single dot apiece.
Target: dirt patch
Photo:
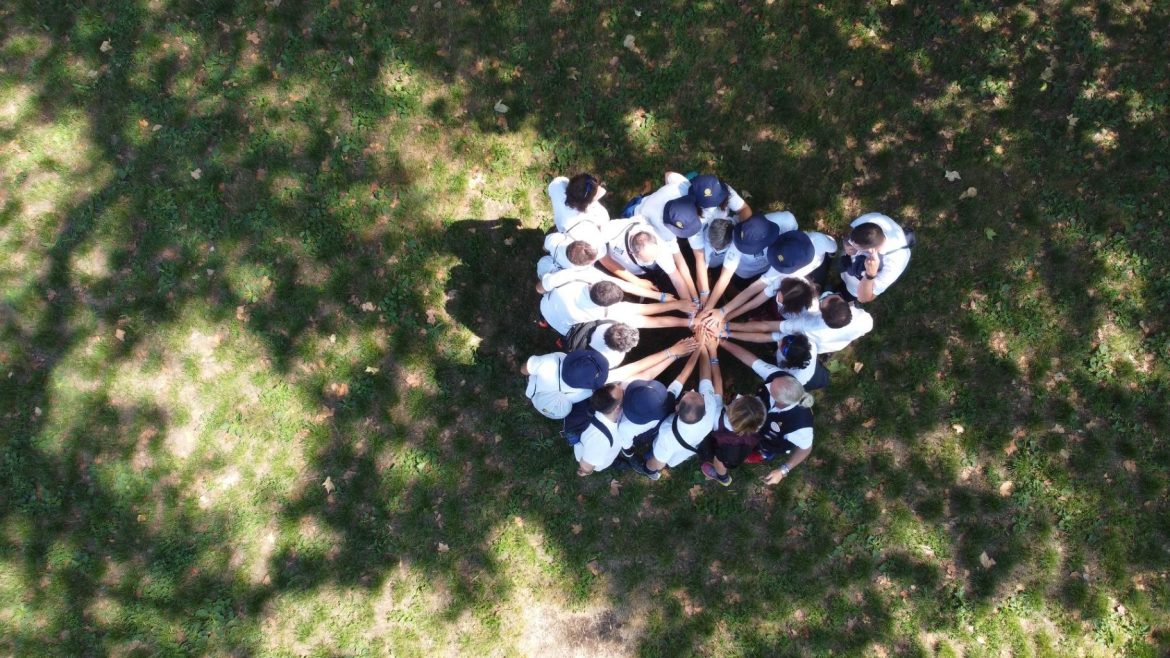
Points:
(596, 632)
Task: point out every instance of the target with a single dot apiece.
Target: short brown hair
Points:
(746, 414)
(580, 252)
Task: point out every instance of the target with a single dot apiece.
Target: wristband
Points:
(726, 330)
(662, 297)
(784, 469)
(715, 361)
(704, 292)
(694, 300)
(871, 278)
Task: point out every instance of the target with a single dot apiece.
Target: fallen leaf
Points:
(576, 528)
(332, 339)
(1130, 465)
(869, 423)
(254, 38)
(969, 193)
(594, 567)
(1072, 121)
(328, 484)
(1010, 448)
(37, 411)
(614, 487)
(695, 491)
(638, 13)
(196, 174)
(857, 366)
(372, 370)
(746, 147)
(990, 233)
(953, 176)
(120, 334)
(241, 313)
(628, 42)
(443, 548)
(508, 241)
(958, 428)
(1006, 488)
(368, 307)
(106, 46)
(430, 316)
(500, 107)
(986, 560)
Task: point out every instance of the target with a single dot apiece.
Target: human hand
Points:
(849, 247)
(685, 346)
(773, 477)
(872, 264)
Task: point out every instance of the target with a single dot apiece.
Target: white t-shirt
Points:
(597, 342)
(567, 218)
(826, 339)
(653, 204)
(823, 245)
(749, 265)
(568, 303)
(894, 256)
(557, 245)
(598, 450)
(667, 449)
(629, 429)
(552, 397)
(620, 234)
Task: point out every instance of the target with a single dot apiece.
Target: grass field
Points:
(266, 273)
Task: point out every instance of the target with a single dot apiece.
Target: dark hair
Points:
(796, 353)
(867, 235)
(798, 295)
(621, 337)
(719, 233)
(641, 240)
(605, 293)
(835, 311)
(607, 398)
(581, 191)
(690, 411)
(580, 252)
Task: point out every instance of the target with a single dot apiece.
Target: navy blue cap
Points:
(645, 401)
(790, 252)
(754, 234)
(707, 191)
(585, 368)
(681, 217)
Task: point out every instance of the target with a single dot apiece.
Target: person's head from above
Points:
(867, 236)
(681, 218)
(621, 337)
(754, 234)
(691, 407)
(786, 391)
(645, 401)
(644, 246)
(795, 351)
(581, 253)
(835, 311)
(583, 190)
(746, 414)
(607, 399)
(795, 294)
(585, 368)
(719, 233)
(709, 193)
(791, 251)
(605, 293)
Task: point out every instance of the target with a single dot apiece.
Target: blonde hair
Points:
(786, 391)
(746, 414)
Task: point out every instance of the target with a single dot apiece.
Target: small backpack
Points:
(581, 333)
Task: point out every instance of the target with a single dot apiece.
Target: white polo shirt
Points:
(629, 429)
(894, 254)
(652, 206)
(823, 245)
(802, 375)
(565, 217)
(597, 342)
(620, 234)
(826, 339)
(567, 304)
(667, 449)
(552, 397)
(596, 449)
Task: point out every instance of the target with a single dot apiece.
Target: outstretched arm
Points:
(721, 284)
(683, 274)
(751, 297)
(685, 374)
(739, 352)
(793, 461)
(634, 370)
(616, 269)
(752, 336)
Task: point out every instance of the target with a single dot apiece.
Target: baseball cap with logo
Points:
(585, 368)
(645, 401)
(707, 191)
(755, 234)
(790, 252)
(681, 219)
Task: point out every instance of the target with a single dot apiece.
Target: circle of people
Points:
(604, 280)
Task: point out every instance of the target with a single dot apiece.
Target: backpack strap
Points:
(601, 426)
(678, 437)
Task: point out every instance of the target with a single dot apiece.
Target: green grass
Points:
(251, 247)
